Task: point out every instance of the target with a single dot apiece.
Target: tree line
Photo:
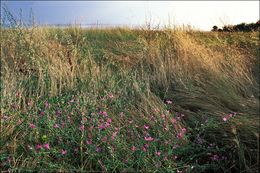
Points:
(242, 27)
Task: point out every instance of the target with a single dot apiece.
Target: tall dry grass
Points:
(205, 74)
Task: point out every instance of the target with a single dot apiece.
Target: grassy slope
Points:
(206, 75)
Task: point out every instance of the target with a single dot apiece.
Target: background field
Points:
(120, 99)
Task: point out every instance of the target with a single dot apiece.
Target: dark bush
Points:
(242, 27)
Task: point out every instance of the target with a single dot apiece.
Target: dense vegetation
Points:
(120, 99)
(242, 27)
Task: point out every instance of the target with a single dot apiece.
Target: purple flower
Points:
(46, 146)
(109, 120)
(98, 149)
(41, 113)
(32, 126)
(58, 112)
(81, 128)
(89, 141)
(133, 148)
(214, 157)
(63, 152)
(149, 139)
(38, 147)
(105, 114)
(101, 126)
(157, 153)
(168, 101)
(111, 96)
(146, 127)
(56, 126)
(46, 104)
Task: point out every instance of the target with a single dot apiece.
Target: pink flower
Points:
(183, 130)
(214, 157)
(102, 165)
(157, 153)
(122, 114)
(225, 119)
(107, 124)
(89, 141)
(63, 152)
(173, 120)
(101, 126)
(84, 120)
(17, 94)
(168, 101)
(180, 135)
(114, 135)
(41, 113)
(32, 126)
(133, 148)
(29, 103)
(75, 150)
(58, 113)
(46, 104)
(146, 145)
(62, 124)
(104, 139)
(163, 115)
(148, 139)
(81, 128)
(144, 149)
(103, 113)
(69, 119)
(109, 120)
(146, 127)
(165, 158)
(38, 147)
(98, 149)
(56, 126)
(111, 96)
(230, 115)
(46, 146)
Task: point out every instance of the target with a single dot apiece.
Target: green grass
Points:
(129, 74)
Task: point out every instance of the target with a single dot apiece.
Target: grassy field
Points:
(120, 99)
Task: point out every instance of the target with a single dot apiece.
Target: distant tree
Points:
(240, 27)
(214, 28)
(227, 28)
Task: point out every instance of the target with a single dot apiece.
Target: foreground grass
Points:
(129, 100)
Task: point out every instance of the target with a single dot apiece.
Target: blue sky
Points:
(201, 14)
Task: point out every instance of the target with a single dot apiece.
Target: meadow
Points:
(128, 100)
